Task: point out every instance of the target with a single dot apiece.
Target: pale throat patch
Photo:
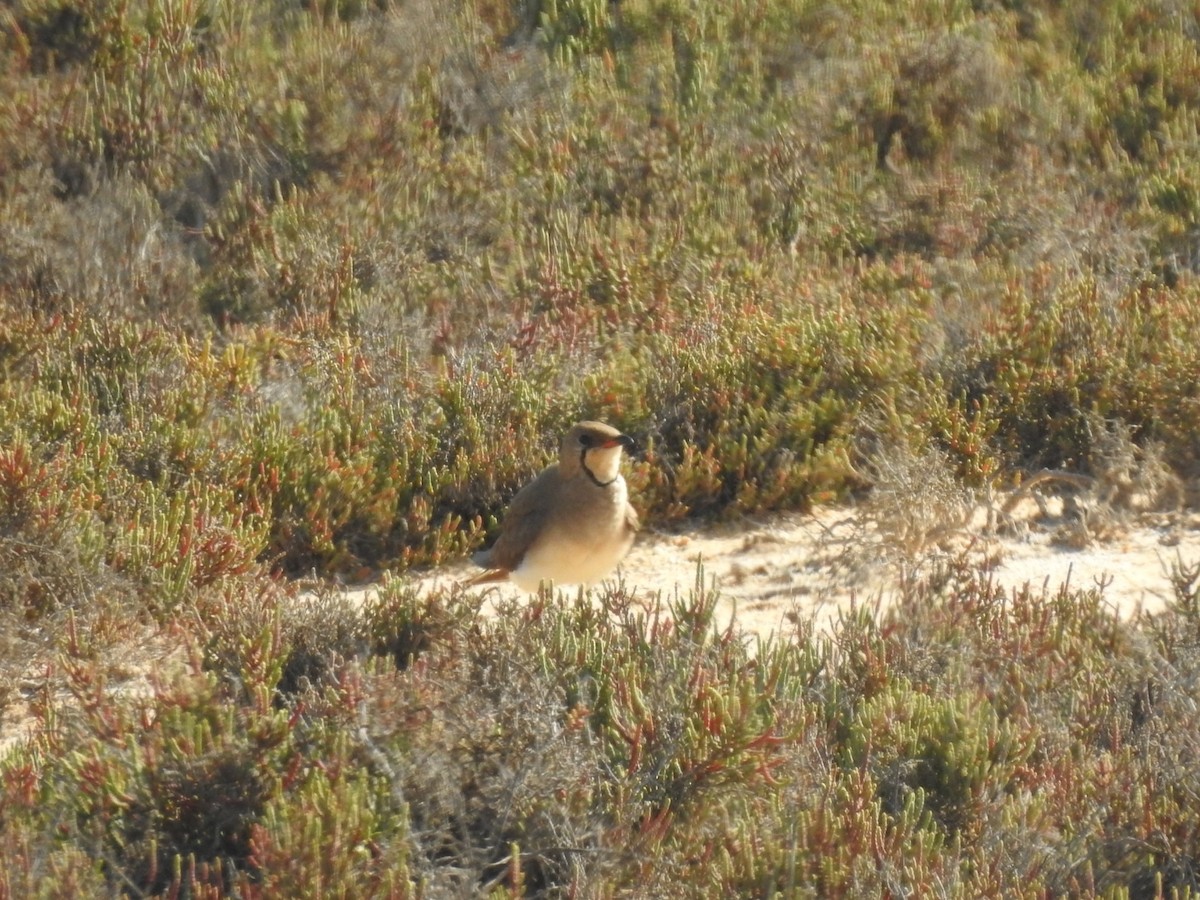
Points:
(604, 463)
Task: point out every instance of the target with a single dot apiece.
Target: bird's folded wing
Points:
(522, 522)
(488, 576)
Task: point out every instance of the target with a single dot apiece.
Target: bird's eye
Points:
(585, 440)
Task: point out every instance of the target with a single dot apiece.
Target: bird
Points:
(573, 523)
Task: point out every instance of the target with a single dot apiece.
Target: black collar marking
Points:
(590, 474)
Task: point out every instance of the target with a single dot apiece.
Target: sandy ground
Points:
(773, 572)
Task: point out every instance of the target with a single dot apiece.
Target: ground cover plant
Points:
(296, 289)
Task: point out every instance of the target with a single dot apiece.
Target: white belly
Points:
(584, 557)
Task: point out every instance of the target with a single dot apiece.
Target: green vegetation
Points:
(297, 286)
(968, 745)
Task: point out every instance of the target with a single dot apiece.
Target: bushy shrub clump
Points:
(319, 287)
(975, 744)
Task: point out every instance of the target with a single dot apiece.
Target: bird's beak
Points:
(623, 440)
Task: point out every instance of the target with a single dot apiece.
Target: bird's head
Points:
(595, 449)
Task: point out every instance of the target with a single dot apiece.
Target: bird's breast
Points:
(584, 545)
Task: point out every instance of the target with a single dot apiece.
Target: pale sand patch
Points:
(775, 571)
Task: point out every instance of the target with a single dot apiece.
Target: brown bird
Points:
(573, 523)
